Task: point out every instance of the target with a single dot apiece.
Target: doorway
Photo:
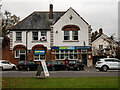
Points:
(22, 57)
(84, 59)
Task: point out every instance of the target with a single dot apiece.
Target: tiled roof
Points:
(37, 20)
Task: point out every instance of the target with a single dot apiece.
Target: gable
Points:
(71, 14)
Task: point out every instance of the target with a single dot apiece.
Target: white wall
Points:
(1, 17)
(65, 20)
(30, 42)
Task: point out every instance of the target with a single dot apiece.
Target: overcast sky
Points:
(98, 13)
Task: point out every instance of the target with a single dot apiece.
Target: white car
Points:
(105, 64)
(5, 65)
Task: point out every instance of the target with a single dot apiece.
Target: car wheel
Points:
(13, 68)
(28, 69)
(53, 68)
(1, 68)
(105, 68)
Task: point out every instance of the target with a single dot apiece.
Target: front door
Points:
(84, 59)
(22, 57)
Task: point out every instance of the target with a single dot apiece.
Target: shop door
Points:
(22, 57)
(84, 59)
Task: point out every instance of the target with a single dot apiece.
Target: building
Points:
(52, 36)
(102, 45)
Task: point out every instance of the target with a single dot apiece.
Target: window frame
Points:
(66, 54)
(19, 36)
(65, 35)
(19, 53)
(34, 36)
(43, 35)
(74, 35)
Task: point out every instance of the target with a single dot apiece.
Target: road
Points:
(85, 73)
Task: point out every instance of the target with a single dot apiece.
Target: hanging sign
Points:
(45, 68)
(39, 52)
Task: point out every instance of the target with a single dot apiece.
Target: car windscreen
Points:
(21, 62)
(72, 62)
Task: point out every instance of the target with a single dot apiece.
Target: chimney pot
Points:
(100, 31)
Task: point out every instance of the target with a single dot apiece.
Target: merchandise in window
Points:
(66, 35)
(35, 35)
(18, 36)
(74, 35)
(66, 54)
(39, 57)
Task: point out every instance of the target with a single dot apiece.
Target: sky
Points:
(98, 13)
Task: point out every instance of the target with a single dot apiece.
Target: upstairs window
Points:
(18, 36)
(74, 35)
(43, 36)
(35, 35)
(100, 47)
(66, 35)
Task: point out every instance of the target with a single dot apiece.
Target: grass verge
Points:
(60, 82)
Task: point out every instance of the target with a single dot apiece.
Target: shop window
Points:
(43, 36)
(39, 57)
(66, 35)
(36, 57)
(18, 52)
(74, 35)
(18, 36)
(66, 54)
(35, 35)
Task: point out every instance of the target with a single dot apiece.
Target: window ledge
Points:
(39, 41)
(71, 41)
(18, 41)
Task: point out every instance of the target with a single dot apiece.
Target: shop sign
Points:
(39, 52)
(83, 47)
(67, 48)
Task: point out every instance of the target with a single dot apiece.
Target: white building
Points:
(52, 36)
(102, 45)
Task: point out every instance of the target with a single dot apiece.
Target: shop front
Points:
(39, 55)
(64, 53)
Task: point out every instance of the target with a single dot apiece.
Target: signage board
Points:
(45, 68)
(71, 47)
(39, 52)
(67, 48)
(83, 47)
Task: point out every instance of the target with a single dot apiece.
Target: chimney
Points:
(100, 31)
(93, 33)
(96, 32)
(51, 12)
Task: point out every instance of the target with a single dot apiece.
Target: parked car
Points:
(105, 64)
(75, 65)
(55, 65)
(27, 65)
(6, 65)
